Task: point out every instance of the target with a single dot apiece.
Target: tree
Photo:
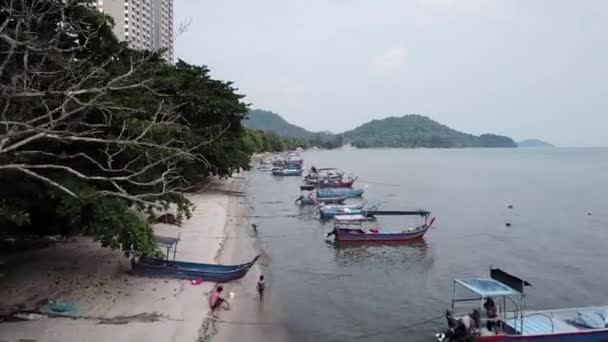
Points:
(91, 132)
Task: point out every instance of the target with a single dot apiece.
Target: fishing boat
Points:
(314, 184)
(287, 172)
(315, 201)
(266, 167)
(331, 211)
(334, 183)
(324, 174)
(287, 163)
(351, 228)
(163, 268)
(338, 192)
(508, 319)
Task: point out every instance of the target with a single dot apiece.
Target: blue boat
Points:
(162, 268)
(340, 192)
(287, 172)
(502, 295)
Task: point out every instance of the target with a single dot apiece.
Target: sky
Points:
(523, 68)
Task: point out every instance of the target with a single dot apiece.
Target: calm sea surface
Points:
(373, 293)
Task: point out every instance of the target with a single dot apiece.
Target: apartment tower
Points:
(143, 24)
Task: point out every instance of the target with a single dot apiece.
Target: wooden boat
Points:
(156, 267)
(512, 321)
(324, 174)
(315, 201)
(296, 163)
(333, 183)
(327, 212)
(337, 192)
(349, 228)
(287, 172)
(314, 184)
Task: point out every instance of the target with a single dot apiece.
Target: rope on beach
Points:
(241, 322)
(403, 327)
(265, 216)
(318, 274)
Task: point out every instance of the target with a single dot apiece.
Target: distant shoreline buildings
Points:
(143, 24)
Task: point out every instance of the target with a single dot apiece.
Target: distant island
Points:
(534, 143)
(408, 131)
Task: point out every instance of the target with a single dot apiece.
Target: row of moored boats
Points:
(335, 196)
(486, 309)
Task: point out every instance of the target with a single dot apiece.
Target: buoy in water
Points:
(508, 224)
(510, 206)
(589, 213)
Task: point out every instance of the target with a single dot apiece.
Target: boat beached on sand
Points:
(502, 296)
(164, 268)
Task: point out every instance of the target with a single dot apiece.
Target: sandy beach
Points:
(116, 306)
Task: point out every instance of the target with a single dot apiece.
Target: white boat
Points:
(347, 147)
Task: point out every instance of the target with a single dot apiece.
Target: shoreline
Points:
(249, 318)
(114, 305)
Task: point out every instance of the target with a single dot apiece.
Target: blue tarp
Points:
(61, 307)
(487, 287)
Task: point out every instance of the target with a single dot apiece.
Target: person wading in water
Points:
(261, 287)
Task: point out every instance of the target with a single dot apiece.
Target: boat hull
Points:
(332, 184)
(326, 200)
(161, 268)
(346, 236)
(579, 336)
(348, 193)
(288, 172)
(331, 213)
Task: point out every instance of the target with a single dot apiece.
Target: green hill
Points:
(406, 131)
(534, 143)
(418, 131)
(269, 121)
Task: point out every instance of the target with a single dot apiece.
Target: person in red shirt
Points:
(216, 299)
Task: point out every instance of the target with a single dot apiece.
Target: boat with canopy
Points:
(493, 310)
(167, 268)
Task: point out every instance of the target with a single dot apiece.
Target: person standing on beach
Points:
(261, 287)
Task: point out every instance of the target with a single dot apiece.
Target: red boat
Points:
(349, 228)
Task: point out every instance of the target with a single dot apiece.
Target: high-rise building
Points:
(143, 24)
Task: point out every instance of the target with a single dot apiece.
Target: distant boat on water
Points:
(347, 147)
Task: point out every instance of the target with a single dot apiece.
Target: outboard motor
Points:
(457, 331)
(450, 318)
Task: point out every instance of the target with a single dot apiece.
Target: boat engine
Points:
(457, 329)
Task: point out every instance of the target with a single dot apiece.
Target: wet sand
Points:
(250, 318)
(115, 306)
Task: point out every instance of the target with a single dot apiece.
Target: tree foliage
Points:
(94, 136)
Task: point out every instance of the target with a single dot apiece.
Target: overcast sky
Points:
(524, 68)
